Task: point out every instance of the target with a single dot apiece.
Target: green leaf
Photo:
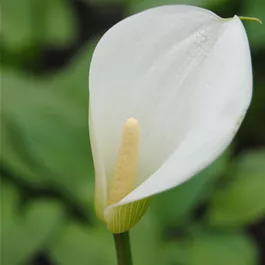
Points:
(46, 130)
(79, 244)
(9, 204)
(10, 157)
(135, 6)
(145, 241)
(58, 138)
(28, 25)
(16, 26)
(242, 202)
(30, 231)
(175, 252)
(250, 163)
(105, 2)
(252, 130)
(174, 206)
(60, 22)
(72, 81)
(15, 155)
(255, 31)
(83, 245)
(222, 248)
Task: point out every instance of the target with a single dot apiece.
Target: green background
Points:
(47, 178)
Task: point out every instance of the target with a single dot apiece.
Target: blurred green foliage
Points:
(47, 214)
(241, 202)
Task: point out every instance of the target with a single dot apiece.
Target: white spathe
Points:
(185, 74)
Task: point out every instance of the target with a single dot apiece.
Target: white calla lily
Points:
(180, 74)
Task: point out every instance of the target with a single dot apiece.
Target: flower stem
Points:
(123, 248)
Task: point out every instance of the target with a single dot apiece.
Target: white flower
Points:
(169, 88)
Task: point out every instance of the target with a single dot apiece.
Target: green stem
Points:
(123, 248)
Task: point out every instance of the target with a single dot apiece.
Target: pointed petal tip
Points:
(254, 19)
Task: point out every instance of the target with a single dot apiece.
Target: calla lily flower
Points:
(169, 88)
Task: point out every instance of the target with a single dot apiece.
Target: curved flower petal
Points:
(185, 75)
(100, 181)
